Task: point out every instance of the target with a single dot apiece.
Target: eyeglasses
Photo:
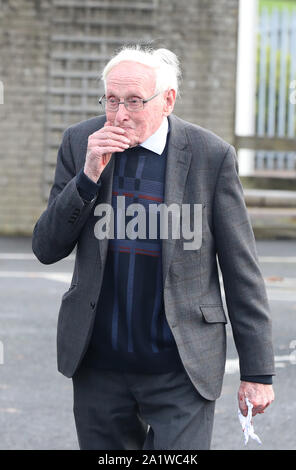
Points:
(131, 104)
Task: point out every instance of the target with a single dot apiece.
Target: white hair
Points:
(165, 63)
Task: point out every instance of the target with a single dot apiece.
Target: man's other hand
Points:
(260, 395)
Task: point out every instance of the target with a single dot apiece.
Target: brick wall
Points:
(51, 54)
(24, 27)
(204, 35)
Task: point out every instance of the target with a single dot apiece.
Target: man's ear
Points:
(169, 98)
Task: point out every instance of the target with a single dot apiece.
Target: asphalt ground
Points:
(36, 400)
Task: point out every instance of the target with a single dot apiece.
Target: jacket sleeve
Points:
(244, 286)
(86, 187)
(57, 230)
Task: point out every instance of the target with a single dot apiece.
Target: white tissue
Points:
(246, 423)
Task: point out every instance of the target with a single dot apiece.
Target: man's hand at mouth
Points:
(101, 144)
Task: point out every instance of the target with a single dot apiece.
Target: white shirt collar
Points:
(157, 141)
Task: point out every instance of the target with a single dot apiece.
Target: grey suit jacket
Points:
(202, 169)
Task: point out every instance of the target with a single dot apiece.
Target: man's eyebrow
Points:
(131, 95)
(110, 94)
(134, 95)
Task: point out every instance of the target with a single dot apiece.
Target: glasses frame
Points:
(103, 102)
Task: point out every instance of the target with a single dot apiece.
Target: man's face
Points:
(131, 79)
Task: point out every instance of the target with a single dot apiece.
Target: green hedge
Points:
(280, 4)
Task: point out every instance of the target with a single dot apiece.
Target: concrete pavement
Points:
(36, 400)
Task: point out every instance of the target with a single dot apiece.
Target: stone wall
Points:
(204, 35)
(24, 33)
(52, 52)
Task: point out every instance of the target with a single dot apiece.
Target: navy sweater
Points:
(131, 333)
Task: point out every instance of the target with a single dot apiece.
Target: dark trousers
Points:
(131, 411)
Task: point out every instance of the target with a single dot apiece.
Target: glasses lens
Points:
(111, 104)
(134, 103)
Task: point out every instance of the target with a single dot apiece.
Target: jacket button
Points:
(92, 304)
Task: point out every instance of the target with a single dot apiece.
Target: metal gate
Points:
(271, 124)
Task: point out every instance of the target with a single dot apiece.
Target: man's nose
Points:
(122, 113)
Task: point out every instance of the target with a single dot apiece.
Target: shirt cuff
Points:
(86, 187)
(261, 379)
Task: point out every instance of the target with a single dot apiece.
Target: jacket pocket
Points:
(72, 286)
(213, 313)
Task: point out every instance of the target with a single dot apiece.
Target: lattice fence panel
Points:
(83, 37)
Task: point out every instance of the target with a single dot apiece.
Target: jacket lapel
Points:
(178, 162)
(105, 197)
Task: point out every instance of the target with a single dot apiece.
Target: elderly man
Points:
(141, 330)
